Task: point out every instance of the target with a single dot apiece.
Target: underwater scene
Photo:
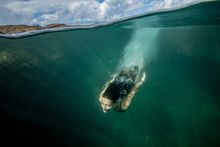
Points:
(50, 83)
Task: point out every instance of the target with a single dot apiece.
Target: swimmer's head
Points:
(106, 104)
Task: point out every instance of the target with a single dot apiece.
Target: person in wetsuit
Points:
(119, 92)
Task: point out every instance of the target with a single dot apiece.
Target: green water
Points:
(50, 83)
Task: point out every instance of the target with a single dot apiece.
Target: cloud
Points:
(43, 12)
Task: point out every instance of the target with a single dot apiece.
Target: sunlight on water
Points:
(140, 49)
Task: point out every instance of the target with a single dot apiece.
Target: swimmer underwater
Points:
(119, 92)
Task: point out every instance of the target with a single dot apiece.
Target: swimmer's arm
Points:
(127, 101)
(106, 86)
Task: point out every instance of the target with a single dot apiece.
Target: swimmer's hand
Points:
(143, 77)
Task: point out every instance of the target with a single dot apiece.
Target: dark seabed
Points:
(50, 83)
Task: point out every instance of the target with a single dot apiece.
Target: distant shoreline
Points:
(12, 29)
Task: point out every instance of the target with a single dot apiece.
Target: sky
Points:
(72, 12)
